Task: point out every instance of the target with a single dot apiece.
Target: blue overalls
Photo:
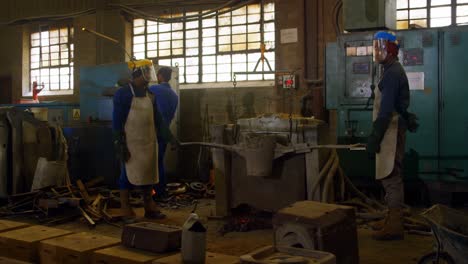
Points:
(167, 102)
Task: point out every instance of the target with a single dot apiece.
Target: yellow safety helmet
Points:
(146, 67)
(139, 63)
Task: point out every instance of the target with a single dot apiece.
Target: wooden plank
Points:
(87, 217)
(23, 244)
(83, 191)
(4, 260)
(75, 248)
(123, 255)
(6, 225)
(211, 258)
(96, 203)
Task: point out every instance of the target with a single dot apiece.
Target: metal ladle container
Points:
(257, 150)
(259, 153)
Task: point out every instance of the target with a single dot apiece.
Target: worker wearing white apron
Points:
(387, 139)
(136, 123)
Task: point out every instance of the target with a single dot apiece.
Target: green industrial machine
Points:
(436, 62)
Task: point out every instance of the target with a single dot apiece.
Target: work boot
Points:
(151, 209)
(392, 228)
(379, 225)
(125, 208)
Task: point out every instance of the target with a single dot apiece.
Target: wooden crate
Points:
(124, 255)
(23, 244)
(211, 258)
(4, 260)
(6, 225)
(321, 226)
(75, 248)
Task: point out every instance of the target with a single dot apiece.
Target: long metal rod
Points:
(231, 148)
(205, 144)
(110, 39)
(100, 35)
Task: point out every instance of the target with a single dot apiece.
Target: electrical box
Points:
(359, 15)
(286, 81)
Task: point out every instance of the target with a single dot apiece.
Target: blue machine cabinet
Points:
(94, 82)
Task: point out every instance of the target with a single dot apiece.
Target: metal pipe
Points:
(211, 145)
(110, 39)
(311, 30)
(310, 147)
(100, 35)
(328, 181)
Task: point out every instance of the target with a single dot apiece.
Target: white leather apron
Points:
(385, 159)
(140, 132)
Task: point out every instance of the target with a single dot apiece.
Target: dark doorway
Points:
(5, 90)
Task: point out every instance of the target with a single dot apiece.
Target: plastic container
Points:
(193, 241)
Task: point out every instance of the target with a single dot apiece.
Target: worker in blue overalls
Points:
(167, 101)
(387, 139)
(136, 124)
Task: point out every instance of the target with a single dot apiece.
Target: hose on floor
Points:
(336, 187)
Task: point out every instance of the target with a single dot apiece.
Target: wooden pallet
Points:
(4, 260)
(123, 255)
(75, 248)
(23, 244)
(6, 225)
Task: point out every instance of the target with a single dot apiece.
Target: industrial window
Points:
(431, 13)
(211, 49)
(51, 60)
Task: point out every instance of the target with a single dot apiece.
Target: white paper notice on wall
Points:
(415, 80)
(289, 35)
(361, 51)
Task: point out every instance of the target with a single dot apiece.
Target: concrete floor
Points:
(370, 251)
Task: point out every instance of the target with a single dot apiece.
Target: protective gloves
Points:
(379, 128)
(411, 121)
(120, 144)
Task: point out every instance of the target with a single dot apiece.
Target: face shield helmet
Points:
(149, 74)
(145, 68)
(384, 43)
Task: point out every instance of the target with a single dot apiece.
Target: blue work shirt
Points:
(395, 91)
(166, 100)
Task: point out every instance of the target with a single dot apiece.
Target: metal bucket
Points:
(259, 153)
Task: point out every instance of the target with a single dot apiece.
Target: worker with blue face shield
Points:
(137, 123)
(387, 139)
(167, 101)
